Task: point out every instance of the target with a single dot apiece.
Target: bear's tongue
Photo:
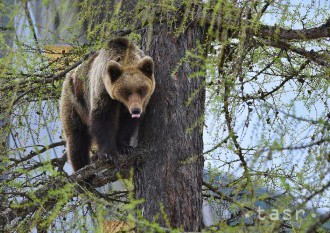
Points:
(135, 115)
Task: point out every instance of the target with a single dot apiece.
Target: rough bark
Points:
(171, 176)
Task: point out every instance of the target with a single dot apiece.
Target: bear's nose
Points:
(136, 111)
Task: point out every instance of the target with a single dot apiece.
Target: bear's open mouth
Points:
(136, 115)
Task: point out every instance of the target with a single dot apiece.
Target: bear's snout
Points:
(136, 112)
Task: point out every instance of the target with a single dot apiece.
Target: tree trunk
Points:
(171, 176)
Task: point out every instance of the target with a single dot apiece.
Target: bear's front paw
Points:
(112, 157)
(94, 157)
(125, 150)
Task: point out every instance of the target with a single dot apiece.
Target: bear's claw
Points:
(111, 157)
(126, 150)
(103, 156)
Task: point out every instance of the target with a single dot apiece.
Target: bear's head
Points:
(131, 85)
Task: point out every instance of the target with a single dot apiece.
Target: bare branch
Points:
(6, 28)
(288, 78)
(322, 60)
(275, 32)
(267, 31)
(230, 128)
(225, 197)
(297, 147)
(34, 153)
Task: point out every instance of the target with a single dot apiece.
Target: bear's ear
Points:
(114, 70)
(146, 65)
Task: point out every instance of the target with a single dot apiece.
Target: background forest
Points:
(237, 134)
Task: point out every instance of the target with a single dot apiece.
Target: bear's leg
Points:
(128, 128)
(104, 125)
(78, 141)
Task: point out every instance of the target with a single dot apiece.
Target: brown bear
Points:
(103, 100)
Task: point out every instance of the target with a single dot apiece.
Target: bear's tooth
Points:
(135, 115)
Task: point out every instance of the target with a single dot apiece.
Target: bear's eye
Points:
(142, 91)
(125, 93)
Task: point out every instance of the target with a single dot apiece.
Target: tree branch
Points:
(105, 171)
(297, 147)
(275, 32)
(311, 55)
(265, 31)
(226, 198)
(6, 28)
(325, 217)
(230, 128)
(29, 18)
(322, 219)
(34, 153)
(275, 89)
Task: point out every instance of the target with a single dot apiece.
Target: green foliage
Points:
(266, 111)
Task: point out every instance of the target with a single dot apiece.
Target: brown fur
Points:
(100, 97)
